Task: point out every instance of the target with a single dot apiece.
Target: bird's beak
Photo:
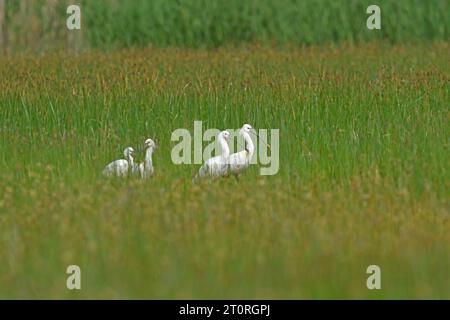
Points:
(267, 144)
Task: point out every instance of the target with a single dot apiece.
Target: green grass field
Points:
(364, 173)
(39, 25)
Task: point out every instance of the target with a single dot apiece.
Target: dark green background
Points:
(107, 24)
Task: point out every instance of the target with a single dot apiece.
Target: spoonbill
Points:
(121, 167)
(240, 161)
(216, 166)
(146, 167)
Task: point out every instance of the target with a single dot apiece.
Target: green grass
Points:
(107, 24)
(364, 174)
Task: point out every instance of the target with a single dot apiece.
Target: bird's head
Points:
(225, 134)
(149, 143)
(128, 152)
(246, 128)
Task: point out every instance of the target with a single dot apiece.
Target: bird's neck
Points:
(148, 157)
(249, 146)
(225, 150)
(131, 160)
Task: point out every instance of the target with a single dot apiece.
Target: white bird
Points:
(146, 167)
(218, 165)
(121, 167)
(240, 161)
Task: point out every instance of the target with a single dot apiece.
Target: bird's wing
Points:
(213, 160)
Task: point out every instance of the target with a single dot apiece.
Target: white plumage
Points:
(218, 165)
(240, 161)
(121, 167)
(146, 167)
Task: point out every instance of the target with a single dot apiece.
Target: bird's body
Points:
(240, 161)
(145, 168)
(121, 167)
(217, 166)
(135, 170)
